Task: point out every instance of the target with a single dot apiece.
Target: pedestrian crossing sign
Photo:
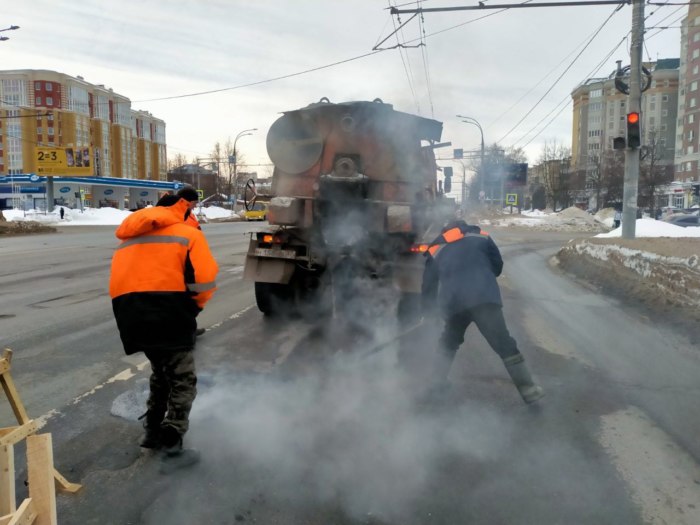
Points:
(512, 199)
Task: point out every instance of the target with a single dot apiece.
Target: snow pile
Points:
(654, 228)
(569, 220)
(216, 212)
(605, 216)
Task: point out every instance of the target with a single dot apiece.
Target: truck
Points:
(354, 197)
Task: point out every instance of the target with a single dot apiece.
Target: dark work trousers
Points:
(489, 319)
(173, 389)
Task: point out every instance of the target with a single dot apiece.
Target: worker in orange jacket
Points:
(162, 276)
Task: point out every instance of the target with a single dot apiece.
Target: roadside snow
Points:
(95, 216)
(654, 228)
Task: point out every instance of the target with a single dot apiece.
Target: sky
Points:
(512, 71)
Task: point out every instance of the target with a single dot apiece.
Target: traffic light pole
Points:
(630, 192)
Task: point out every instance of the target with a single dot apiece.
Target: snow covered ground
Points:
(98, 216)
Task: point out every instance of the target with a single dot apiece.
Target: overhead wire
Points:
(405, 66)
(426, 66)
(567, 99)
(595, 34)
(538, 83)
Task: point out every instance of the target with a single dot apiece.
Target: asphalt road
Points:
(297, 426)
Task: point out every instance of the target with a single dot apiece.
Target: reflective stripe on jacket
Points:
(163, 274)
(461, 270)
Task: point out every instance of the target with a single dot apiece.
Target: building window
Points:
(49, 101)
(694, 85)
(691, 134)
(37, 86)
(652, 106)
(696, 37)
(37, 101)
(691, 118)
(689, 151)
(49, 86)
(665, 97)
(696, 53)
(663, 127)
(50, 130)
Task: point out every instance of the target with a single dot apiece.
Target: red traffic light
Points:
(632, 118)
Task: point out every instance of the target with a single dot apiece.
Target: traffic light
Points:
(634, 134)
(619, 143)
(448, 179)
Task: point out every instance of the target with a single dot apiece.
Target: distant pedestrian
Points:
(62, 212)
(617, 219)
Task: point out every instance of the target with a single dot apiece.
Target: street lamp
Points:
(243, 133)
(11, 28)
(471, 120)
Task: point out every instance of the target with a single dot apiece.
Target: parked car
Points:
(257, 213)
(680, 219)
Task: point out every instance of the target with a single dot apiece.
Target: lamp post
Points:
(243, 133)
(11, 28)
(471, 120)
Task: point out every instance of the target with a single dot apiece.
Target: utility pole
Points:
(631, 188)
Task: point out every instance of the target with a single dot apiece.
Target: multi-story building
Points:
(599, 116)
(687, 168)
(51, 109)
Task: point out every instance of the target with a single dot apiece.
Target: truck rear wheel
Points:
(271, 297)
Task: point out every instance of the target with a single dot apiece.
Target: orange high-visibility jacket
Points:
(163, 274)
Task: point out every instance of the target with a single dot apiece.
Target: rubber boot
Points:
(151, 438)
(175, 456)
(520, 374)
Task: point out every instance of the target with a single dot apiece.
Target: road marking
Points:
(124, 375)
(663, 477)
(235, 269)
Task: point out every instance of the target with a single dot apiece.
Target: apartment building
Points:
(52, 109)
(600, 110)
(687, 168)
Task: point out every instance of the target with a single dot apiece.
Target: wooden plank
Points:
(41, 482)
(8, 385)
(4, 520)
(26, 514)
(4, 366)
(19, 433)
(64, 485)
(8, 501)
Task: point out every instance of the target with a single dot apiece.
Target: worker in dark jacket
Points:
(460, 275)
(162, 276)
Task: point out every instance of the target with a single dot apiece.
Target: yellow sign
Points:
(67, 162)
(512, 199)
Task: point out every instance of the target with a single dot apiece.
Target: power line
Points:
(562, 74)
(593, 72)
(267, 81)
(426, 67)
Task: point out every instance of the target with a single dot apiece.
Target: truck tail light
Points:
(419, 248)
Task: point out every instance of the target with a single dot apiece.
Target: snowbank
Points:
(569, 220)
(654, 228)
(96, 216)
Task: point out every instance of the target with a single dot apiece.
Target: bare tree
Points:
(554, 164)
(613, 176)
(653, 172)
(177, 160)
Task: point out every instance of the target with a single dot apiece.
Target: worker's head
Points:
(170, 200)
(189, 194)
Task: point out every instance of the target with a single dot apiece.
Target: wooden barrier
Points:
(44, 479)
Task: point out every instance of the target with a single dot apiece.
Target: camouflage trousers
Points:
(173, 389)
